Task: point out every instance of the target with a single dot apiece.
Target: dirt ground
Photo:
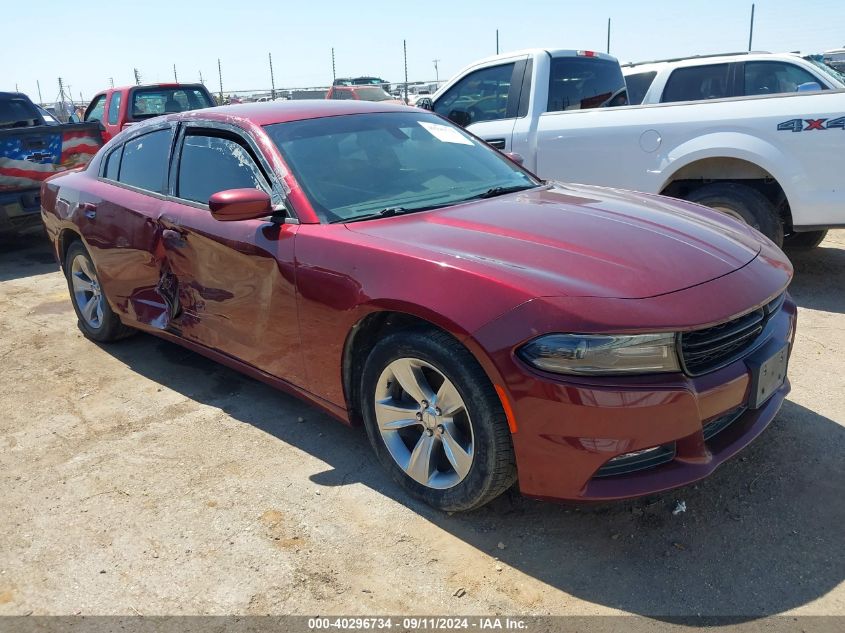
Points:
(141, 478)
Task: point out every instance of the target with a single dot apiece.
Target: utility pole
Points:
(175, 78)
(333, 75)
(201, 81)
(272, 79)
(405, 49)
(16, 87)
(751, 31)
(497, 41)
(608, 36)
(40, 100)
(111, 82)
(137, 77)
(436, 72)
(220, 77)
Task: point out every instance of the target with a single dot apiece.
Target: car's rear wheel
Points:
(744, 203)
(435, 420)
(804, 240)
(95, 317)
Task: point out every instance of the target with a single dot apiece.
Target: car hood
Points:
(577, 240)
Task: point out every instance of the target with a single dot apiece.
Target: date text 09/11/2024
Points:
(417, 623)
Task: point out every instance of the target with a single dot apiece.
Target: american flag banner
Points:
(30, 156)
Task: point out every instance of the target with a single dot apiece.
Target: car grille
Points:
(710, 348)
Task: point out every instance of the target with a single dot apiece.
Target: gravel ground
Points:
(141, 478)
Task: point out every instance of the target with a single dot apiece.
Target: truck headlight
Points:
(601, 354)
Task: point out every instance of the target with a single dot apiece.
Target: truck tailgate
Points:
(29, 156)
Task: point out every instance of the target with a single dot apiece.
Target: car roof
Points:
(163, 85)
(270, 112)
(704, 60)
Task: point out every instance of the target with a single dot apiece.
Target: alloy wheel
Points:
(86, 291)
(424, 423)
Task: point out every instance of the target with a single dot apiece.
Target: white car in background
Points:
(729, 75)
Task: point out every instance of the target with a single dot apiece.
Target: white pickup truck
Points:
(776, 161)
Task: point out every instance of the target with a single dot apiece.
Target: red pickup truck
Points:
(118, 108)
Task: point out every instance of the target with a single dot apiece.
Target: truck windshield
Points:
(364, 165)
(150, 102)
(578, 83)
(829, 70)
(16, 112)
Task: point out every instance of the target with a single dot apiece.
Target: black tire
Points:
(804, 240)
(109, 327)
(493, 468)
(742, 201)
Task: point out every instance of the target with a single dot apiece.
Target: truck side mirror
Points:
(460, 117)
(425, 103)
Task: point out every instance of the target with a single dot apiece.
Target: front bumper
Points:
(569, 428)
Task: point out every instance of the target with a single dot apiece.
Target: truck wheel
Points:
(435, 421)
(744, 203)
(805, 240)
(95, 317)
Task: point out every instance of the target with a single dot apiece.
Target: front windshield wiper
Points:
(383, 213)
(500, 191)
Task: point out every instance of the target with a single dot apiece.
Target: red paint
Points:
(278, 301)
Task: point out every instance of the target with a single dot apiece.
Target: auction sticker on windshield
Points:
(445, 133)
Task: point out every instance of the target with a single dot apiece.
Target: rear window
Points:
(17, 112)
(579, 83)
(150, 102)
(145, 161)
(697, 83)
(638, 84)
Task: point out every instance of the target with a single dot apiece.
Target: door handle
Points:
(88, 208)
(498, 143)
(173, 238)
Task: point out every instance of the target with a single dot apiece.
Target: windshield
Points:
(831, 72)
(150, 102)
(355, 166)
(372, 94)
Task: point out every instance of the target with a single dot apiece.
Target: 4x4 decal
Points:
(798, 125)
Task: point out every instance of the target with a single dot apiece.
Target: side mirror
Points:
(517, 158)
(425, 103)
(460, 117)
(240, 204)
(810, 86)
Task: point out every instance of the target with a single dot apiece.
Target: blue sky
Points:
(87, 43)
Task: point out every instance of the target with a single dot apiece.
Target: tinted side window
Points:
(145, 159)
(482, 94)
(96, 109)
(113, 164)
(765, 78)
(638, 85)
(578, 83)
(114, 108)
(211, 163)
(697, 83)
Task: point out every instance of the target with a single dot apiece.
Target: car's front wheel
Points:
(96, 318)
(435, 420)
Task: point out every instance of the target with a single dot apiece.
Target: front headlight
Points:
(602, 355)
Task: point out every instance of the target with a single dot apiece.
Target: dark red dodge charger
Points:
(394, 270)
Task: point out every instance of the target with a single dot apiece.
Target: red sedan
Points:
(396, 271)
